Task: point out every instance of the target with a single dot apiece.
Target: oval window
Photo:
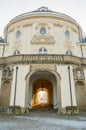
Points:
(42, 31)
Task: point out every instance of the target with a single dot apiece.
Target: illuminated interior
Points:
(42, 97)
(42, 93)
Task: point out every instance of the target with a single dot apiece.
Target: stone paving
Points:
(42, 121)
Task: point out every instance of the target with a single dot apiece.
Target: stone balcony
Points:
(43, 59)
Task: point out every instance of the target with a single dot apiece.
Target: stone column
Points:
(65, 86)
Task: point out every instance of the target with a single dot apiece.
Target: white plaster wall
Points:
(65, 86)
(21, 85)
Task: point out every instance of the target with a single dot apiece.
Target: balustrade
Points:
(43, 58)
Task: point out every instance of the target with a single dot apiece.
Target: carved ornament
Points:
(58, 25)
(27, 25)
(7, 73)
(42, 25)
(78, 73)
(43, 40)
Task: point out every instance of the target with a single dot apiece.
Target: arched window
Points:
(42, 51)
(67, 34)
(69, 52)
(18, 34)
(16, 52)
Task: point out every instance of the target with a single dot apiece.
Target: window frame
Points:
(18, 34)
(16, 52)
(69, 52)
(42, 50)
(67, 34)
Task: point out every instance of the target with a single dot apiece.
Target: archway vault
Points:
(42, 93)
(44, 76)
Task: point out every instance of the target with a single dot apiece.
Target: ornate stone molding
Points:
(58, 25)
(74, 30)
(45, 25)
(7, 73)
(27, 25)
(43, 40)
(10, 30)
(43, 67)
(78, 73)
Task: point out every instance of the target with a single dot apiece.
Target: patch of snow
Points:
(62, 122)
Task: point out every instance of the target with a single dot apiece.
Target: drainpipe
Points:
(3, 50)
(81, 51)
(15, 88)
(70, 90)
(80, 41)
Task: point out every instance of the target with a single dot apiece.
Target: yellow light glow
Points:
(42, 97)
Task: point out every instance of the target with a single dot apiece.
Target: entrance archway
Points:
(42, 93)
(52, 92)
(80, 95)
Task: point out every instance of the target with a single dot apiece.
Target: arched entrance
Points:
(80, 95)
(42, 93)
(42, 89)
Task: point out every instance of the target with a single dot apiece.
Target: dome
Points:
(41, 13)
(44, 11)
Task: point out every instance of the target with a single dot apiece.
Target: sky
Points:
(11, 8)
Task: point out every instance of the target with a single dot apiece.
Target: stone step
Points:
(44, 110)
(3, 110)
(43, 113)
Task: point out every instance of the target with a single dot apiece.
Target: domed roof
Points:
(44, 11)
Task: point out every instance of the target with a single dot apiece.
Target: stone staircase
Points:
(43, 111)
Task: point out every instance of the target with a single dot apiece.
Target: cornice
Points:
(53, 15)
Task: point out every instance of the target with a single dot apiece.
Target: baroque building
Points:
(42, 62)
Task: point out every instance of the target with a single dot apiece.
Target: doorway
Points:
(42, 90)
(42, 93)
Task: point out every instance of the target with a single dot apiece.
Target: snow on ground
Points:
(41, 123)
(72, 123)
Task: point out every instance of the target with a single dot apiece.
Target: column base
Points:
(17, 110)
(70, 110)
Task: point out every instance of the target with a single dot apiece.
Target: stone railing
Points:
(45, 58)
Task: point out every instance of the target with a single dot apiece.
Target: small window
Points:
(42, 51)
(42, 31)
(67, 34)
(18, 34)
(17, 52)
(68, 52)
